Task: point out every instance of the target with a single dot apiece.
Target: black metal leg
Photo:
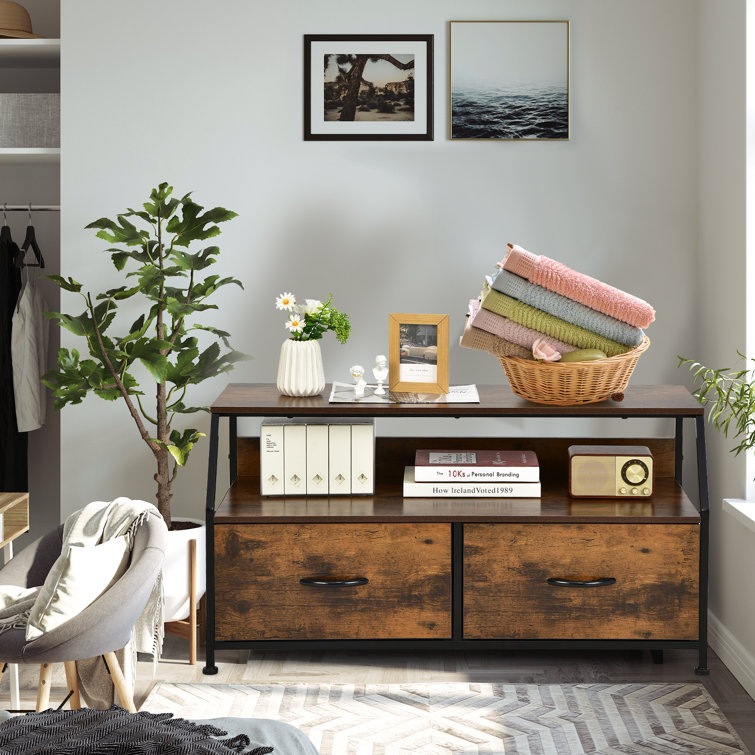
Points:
(678, 451)
(212, 472)
(702, 476)
(233, 448)
(657, 656)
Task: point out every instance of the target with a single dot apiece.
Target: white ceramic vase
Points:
(300, 370)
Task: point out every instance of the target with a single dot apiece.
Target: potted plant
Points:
(730, 397)
(300, 371)
(150, 247)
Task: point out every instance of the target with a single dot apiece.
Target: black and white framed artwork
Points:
(368, 86)
(509, 80)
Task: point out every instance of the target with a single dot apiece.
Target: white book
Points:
(295, 459)
(317, 459)
(271, 459)
(413, 489)
(363, 458)
(339, 462)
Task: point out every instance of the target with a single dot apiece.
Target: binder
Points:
(317, 459)
(363, 458)
(271, 459)
(339, 462)
(295, 458)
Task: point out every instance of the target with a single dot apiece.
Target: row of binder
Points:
(311, 457)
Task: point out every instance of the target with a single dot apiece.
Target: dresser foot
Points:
(210, 670)
(702, 671)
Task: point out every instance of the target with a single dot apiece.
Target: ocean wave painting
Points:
(510, 80)
(493, 113)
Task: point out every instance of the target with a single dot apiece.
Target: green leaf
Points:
(67, 284)
(119, 259)
(148, 353)
(122, 232)
(119, 293)
(193, 226)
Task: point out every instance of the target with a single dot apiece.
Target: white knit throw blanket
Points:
(96, 523)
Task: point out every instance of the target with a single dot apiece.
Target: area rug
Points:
(456, 717)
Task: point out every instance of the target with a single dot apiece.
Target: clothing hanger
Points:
(30, 240)
(6, 242)
(5, 230)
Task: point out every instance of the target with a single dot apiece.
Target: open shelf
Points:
(29, 53)
(26, 155)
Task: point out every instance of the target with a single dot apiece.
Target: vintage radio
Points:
(610, 472)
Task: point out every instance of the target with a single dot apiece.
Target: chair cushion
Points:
(79, 576)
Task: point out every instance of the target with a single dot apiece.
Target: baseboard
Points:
(734, 655)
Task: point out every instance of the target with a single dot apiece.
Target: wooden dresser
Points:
(393, 572)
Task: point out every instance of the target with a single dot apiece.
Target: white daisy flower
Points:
(310, 306)
(285, 301)
(295, 323)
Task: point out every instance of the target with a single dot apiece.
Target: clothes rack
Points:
(33, 207)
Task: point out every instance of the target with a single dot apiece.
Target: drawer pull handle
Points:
(601, 582)
(325, 582)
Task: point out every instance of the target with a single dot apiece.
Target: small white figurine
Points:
(380, 371)
(357, 372)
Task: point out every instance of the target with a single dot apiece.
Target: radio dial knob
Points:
(635, 491)
(635, 472)
(623, 491)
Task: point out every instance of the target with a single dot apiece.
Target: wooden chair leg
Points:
(73, 685)
(119, 681)
(43, 689)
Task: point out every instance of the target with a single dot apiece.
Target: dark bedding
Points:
(118, 732)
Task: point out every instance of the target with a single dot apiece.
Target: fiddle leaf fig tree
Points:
(171, 285)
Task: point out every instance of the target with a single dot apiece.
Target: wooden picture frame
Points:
(391, 100)
(418, 353)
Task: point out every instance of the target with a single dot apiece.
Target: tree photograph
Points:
(363, 87)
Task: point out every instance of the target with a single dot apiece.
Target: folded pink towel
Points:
(582, 288)
(509, 330)
(474, 338)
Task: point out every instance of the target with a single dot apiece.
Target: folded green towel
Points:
(550, 325)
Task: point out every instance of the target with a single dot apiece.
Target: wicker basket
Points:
(572, 383)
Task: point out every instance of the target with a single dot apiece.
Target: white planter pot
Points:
(176, 569)
(300, 370)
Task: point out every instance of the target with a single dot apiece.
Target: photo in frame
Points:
(418, 353)
(368, 87)
(509, 80)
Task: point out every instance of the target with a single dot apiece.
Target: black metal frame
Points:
(457, 642)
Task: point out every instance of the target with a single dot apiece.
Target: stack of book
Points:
(473, 474)
(311, 457)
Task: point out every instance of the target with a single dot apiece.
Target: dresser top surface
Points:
(263, 399)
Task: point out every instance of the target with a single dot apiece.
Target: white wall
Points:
(213, 103)
(722, 320)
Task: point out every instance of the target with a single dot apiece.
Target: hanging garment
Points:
(29, 334)
(13, 445)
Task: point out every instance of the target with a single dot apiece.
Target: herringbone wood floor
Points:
(526, 667)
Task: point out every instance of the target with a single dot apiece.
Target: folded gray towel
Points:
(566, 309)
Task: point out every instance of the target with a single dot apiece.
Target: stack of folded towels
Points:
(531, 297)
